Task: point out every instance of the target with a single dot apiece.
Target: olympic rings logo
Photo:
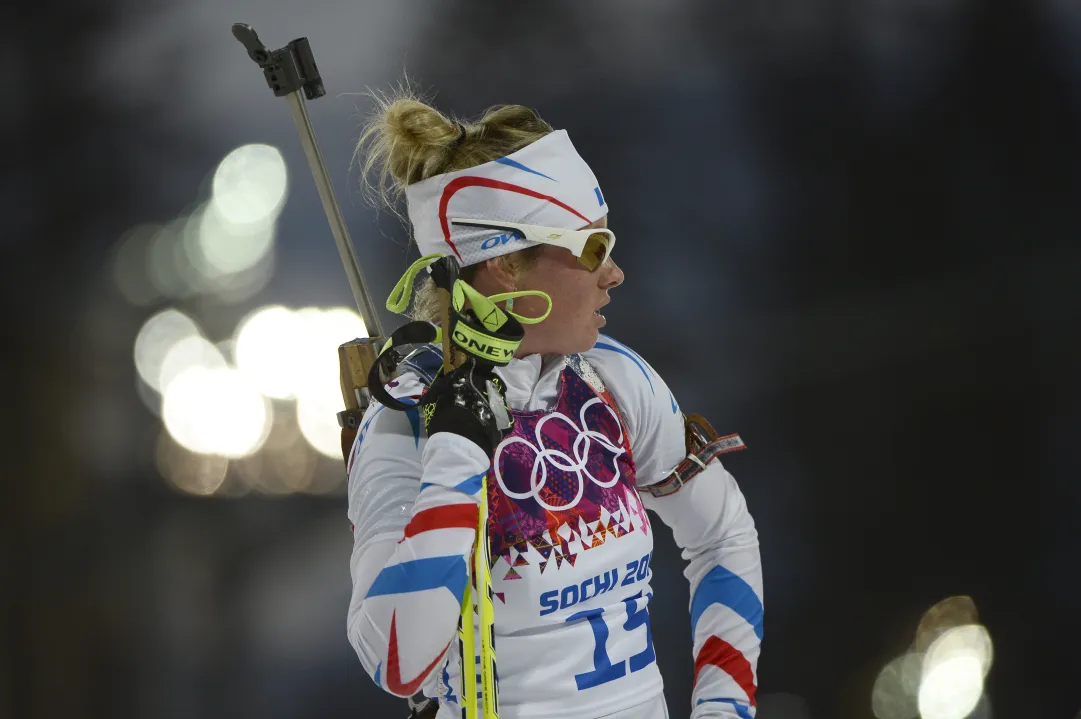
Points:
(559, 459)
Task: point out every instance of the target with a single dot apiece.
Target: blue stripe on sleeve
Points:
(420, 574)
(743, 710)
(449, 696)
(414, 421)
(627, 353)
(469, 486)
(364, 429)
(721, 586)
(360, 435)
(378, 669)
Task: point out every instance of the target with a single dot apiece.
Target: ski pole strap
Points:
(483, 329)
(703, 446)
(399, 296)
(382, 370)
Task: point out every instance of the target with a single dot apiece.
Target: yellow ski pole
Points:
(481, 579)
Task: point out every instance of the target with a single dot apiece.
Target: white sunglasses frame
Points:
(573, 240)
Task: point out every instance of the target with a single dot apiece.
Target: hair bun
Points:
(408, 141)
(419, 139)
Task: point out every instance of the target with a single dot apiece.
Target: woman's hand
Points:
(469, 402)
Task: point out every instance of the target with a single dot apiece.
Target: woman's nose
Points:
(612, 275)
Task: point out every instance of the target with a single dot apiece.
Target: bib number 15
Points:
(604, 670)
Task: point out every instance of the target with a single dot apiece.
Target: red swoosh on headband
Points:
(394, 672)
(460, 183)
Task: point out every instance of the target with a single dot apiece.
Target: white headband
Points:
(545, 183)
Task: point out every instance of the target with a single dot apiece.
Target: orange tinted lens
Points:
(595, 252)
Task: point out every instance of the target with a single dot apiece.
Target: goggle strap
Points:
(485, 307)
(524, 293)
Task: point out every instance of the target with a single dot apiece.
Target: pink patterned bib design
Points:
(563, 481)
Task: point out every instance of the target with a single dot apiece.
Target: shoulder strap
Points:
(703, 446)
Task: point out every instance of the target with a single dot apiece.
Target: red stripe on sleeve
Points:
(719, 653)
(394, 672)
(451, 516)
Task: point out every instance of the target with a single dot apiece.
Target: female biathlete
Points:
(597, 438)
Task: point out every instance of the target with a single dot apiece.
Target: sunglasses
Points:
(592, 247)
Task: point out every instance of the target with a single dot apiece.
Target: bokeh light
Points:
(222, 248)
(211, 407)
(219, 247)
(130, 261)
(267, 350)
(968, 640)
(156, 338)
(942, 676)
(294, 354)
(896, 688)
(286, 464)
(149, 396)
(329, 477)
(292, 468)
(242, 286)
(216, 411)
(954, 669)
(951, 612)
(317, 417)
(213, 257)
(280, 471)
(317, 384)
(952, 688)
(191, 473)
(250, 184)
(192, 269)
(187, 353)
(167, 266)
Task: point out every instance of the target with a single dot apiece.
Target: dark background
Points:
(850, 230)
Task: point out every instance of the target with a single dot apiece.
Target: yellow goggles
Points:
(592, 247)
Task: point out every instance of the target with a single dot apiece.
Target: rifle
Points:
(291, 72)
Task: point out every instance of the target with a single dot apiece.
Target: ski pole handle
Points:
(444, 275)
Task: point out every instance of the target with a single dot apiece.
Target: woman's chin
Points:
(571, 342)
(589, 340)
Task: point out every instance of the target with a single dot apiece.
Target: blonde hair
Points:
(407, 140)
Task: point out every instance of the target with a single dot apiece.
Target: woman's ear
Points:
(502, 272)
